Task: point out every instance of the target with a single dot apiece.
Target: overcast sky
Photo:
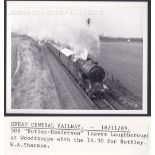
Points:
(118, 19)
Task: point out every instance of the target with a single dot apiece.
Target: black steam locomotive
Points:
(88, 74)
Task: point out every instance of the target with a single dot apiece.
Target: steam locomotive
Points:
(88, 74)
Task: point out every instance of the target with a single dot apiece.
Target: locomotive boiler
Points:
(92, 76)
(88, 74)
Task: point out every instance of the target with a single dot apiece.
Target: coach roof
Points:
(66, 52)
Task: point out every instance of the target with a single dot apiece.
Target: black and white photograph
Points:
(77, 57)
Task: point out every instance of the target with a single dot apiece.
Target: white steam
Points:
(69, 30)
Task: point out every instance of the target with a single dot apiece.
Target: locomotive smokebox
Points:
(94, 72)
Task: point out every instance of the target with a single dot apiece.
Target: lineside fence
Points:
(111, 80)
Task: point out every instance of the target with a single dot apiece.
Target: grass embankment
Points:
(14, 49)
(32, 85)
(122, 95)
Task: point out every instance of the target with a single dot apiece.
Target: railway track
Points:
(108, 103)
(115, 104)
(104, 105)
(75, 99)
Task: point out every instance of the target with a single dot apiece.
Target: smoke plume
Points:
(69, 30)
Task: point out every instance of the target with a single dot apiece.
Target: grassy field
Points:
(14, 47)
(124, 62)
(32, 86)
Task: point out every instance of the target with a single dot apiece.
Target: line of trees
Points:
(119, 39)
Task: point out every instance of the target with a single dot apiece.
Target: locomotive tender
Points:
(88, 74)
